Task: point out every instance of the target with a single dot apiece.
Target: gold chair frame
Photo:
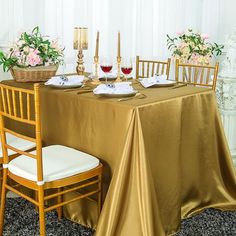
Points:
(1, 163)
(15, 105)
(149, 68)
(191, 74)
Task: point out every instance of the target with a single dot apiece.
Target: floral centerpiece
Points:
(193, 48)
(32, 57)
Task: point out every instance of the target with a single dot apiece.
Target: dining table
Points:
(164, 152)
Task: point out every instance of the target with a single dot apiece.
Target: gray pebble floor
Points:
(21, 219)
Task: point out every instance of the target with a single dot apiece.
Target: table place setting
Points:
(157, 81)
(119, 89)
(62, 81)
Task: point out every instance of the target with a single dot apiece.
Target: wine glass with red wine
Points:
(126, 67)
(106, 66)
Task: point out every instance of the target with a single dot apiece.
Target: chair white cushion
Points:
(18, 143)
(58, 162)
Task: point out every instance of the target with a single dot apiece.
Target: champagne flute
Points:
(106, 66)
(126, 67)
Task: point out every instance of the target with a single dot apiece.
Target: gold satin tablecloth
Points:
(165, 156)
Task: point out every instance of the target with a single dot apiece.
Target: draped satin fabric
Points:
(166, 156)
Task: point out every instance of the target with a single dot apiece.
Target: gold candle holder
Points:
(95, 79)
(118, 69)
(80, 43)
(118, 59)
(96, 61)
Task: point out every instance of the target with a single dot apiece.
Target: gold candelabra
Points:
(80, 43)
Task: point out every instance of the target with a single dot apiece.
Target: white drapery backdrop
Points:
(143, 23)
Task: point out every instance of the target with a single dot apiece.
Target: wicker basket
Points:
(33, 74)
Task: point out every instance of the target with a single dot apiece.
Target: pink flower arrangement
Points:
(190, 47)
(32, 49)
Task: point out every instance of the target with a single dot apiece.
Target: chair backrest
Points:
(148, 68)
(200, 75)
(21, 105)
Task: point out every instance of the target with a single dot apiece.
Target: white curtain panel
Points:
(143, 23)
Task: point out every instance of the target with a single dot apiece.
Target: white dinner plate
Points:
(65, 86)
(170, 83)
(158, 85)
(117, 95)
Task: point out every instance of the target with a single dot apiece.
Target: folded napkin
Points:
(115, 88)
(155, 80)
(72, 80)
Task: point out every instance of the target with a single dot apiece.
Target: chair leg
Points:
(60, 208)
(36, 197)
(1, 175)
(3, 200)
(99, 194)
(41, 211)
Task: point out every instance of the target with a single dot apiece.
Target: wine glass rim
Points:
(106, 65)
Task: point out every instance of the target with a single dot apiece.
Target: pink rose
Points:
(33, 59)
(16, 53)
(204, 36)
(179, 33)
(36, 51)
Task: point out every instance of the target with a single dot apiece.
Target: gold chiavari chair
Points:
(148, 68)
(198, 75)
(54, 167)
(18, 143)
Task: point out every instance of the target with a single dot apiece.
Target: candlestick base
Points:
(95, 79)
(96, 82)
(118, 79)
